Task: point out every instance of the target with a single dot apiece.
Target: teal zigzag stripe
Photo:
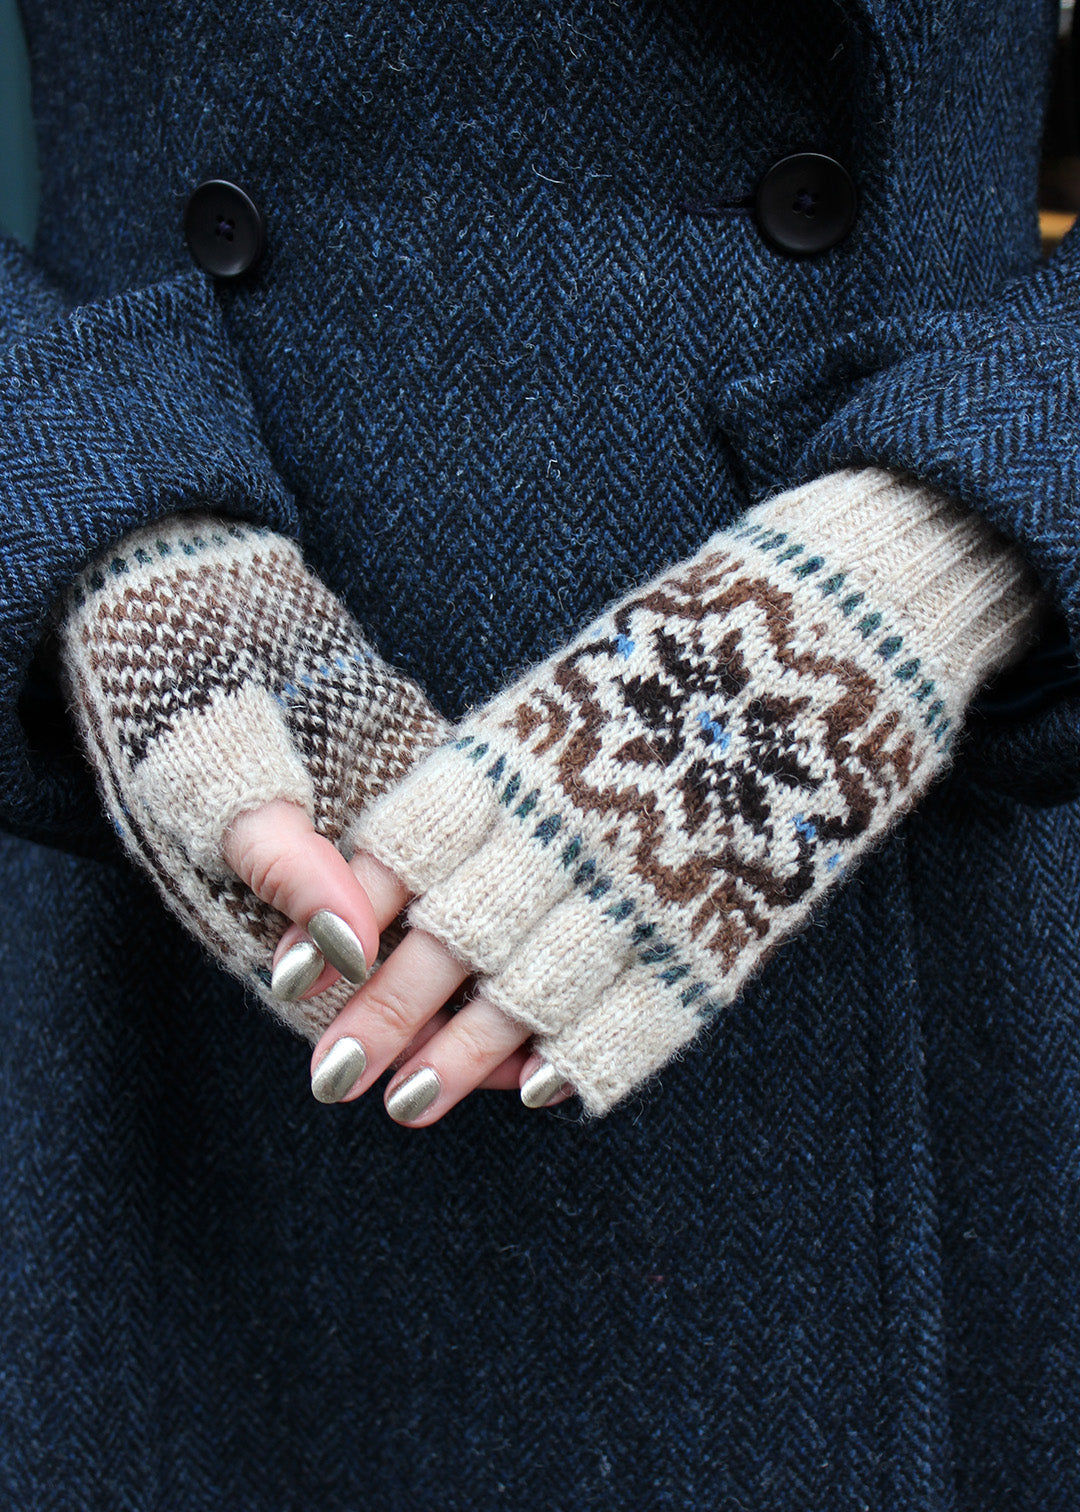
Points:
(768, 539)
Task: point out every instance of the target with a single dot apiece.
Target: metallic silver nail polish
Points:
(414, 1096)
(299, 968)
(339, 1070)
(339, 945)
(542, 1086)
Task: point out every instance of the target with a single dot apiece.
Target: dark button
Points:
(224, 228)
(805, 204)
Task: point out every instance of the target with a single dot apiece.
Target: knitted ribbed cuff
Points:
(924, 561)
(619, 841)
(210, 672)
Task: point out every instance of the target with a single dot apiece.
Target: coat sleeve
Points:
(984, 403)
(113, 415)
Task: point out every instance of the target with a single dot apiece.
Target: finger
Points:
(505, 1077)
(275, 850)
(541, 1086)
(453, 1063)
(384, 1017)
(387, 897)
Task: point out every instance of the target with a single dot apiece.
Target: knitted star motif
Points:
(619, 841)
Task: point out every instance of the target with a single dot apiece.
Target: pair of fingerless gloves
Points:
(618, 841)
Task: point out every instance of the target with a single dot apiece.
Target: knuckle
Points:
(391, 1008)
(473, 1045)
(270, 872)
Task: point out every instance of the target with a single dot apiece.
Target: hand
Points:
(399, 1017)
(619, 841)
(212, 673)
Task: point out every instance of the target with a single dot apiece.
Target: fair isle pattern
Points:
(210, 671)
(657, 808)
(888, 641)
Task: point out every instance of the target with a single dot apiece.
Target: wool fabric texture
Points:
(618, 842)
(210, 672)
(516, 345)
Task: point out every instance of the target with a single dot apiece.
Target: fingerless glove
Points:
(209, 672)
(621, 839)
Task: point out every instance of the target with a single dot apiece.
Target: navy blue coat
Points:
(516, 341)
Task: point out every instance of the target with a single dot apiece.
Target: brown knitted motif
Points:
(617, 843)
(209, 672)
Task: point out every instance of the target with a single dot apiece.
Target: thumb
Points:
(286, 863)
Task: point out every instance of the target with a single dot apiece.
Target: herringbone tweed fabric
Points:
(515, 346)
(618, 842)
(209, 672)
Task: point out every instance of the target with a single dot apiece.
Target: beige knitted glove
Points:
(620, 840)
(210, 672)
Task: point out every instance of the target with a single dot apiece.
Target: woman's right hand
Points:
(280, 857)
(213, 676)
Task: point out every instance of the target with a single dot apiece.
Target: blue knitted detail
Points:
(714, 729)
(870, 622)
(805, 826)
(527, 804)
(548, 828)
(572, 852)
(290, 690)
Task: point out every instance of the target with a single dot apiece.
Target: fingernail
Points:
(339, 945)
(339, 1070)
(542, 1086)
(299, 968)
(414, 1096)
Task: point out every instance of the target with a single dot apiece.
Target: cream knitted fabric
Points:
(622, 838)
(210, 672)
